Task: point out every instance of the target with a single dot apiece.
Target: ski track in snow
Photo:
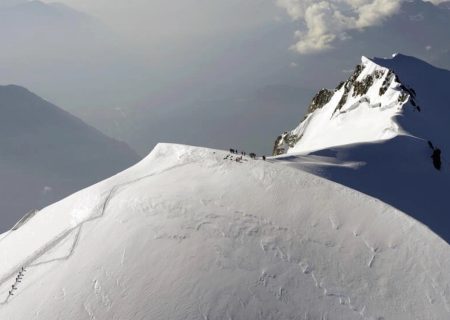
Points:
(29, 262)
(68, 255)
(274, 241)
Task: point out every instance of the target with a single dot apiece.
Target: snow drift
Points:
(189, 233)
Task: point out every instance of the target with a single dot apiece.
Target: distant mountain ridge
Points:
(47, 153)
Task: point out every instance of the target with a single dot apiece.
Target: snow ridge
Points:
(383, 132)
(189, 234)
(361, 109)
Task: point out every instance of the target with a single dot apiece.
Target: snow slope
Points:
(188, 233)
(382, 99)
(362, 109)
(377, 142)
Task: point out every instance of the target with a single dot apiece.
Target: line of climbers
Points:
(18, 280)
(243, 154)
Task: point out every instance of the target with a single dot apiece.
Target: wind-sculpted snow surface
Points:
(431, 90)
(188, 234)
(406, 180)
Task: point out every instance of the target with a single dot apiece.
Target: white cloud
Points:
(324, 22)
(437, 1)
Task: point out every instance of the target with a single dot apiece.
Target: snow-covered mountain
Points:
(367, 107)
(372, 133)
(47, 154)
(191, 233)
(196, 233)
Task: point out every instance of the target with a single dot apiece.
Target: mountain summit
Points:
(46, 154)
(383, 98)
(384, 132)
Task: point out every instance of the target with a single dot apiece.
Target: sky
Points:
(152, 46)
(327, 21)
(155, 21)
(146, 71)
(320, 23)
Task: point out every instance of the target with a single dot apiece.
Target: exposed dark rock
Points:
(358, 69)
(283, 141)
(340, 85)
(436, 156)
(343, 98)
(277, 149)
(387, 81)
(403, 97)
(378, 74)
(411, 91)
(361, 87)
(288, 139)
(320, 99)
(348, 85)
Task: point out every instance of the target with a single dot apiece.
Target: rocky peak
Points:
(371, 87)
(320, 99)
